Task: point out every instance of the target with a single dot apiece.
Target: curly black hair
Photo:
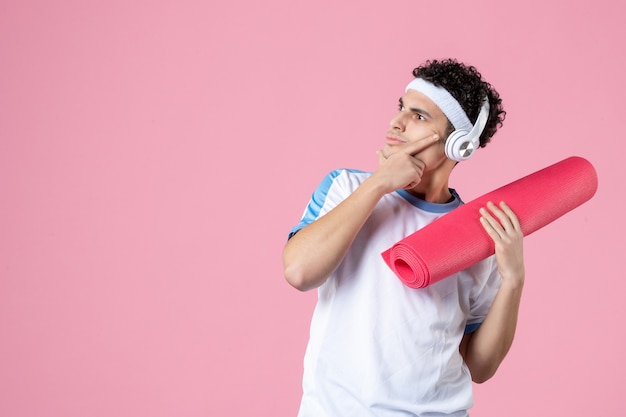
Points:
(466, 85)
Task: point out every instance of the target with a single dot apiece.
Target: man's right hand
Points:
(402, 168)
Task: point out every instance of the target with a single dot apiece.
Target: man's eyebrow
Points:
(416, 110)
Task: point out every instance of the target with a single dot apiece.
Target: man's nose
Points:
(398, 122)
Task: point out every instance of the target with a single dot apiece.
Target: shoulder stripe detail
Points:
(318, 199)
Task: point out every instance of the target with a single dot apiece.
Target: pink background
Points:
(154, 154)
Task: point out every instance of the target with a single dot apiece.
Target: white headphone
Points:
(461, 144)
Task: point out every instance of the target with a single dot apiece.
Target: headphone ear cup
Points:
(458, 146)
(461, 144)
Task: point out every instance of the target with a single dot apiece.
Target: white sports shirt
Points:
(377, 347)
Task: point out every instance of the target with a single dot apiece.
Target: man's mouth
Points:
(393, 140)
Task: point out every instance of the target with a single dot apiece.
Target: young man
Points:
(378, 347)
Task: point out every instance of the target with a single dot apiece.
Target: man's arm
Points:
(485, 349)
(312, 254)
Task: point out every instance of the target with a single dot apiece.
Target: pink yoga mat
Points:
(457, 240)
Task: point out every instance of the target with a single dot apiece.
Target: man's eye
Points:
(419, 116)
(400, 107)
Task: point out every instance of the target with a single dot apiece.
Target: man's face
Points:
(417, 118)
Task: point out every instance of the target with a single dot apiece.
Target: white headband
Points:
(444, 100)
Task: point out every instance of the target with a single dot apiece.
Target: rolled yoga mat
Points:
(457, 240)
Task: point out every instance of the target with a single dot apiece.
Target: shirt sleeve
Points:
(487, 283)
(328, 194)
